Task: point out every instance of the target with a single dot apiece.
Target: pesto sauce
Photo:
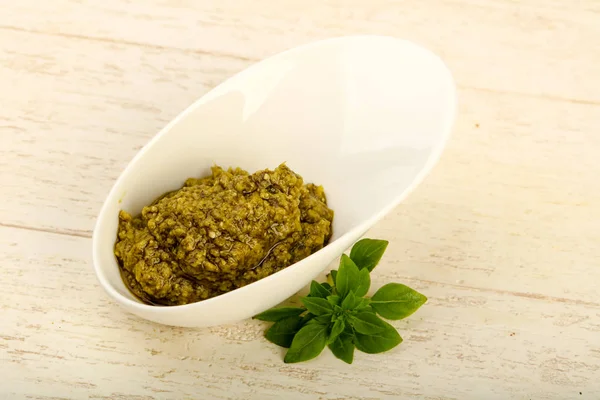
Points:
(219, 233)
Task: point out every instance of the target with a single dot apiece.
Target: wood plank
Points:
(513, 200)
(61, 336)
(540, 47)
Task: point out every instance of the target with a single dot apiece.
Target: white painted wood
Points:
(503, 236)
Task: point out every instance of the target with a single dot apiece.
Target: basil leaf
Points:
(336, 330)
(343, 348)
(364, 283)
(366, 253)
(317, 305)
(333, 275)
(351, 301)
(367, 323)
(307, 344)
(364, 305)
(324, 319)
(378, 342)
(327, 286)
(307, 318)
(318, 290)
(347, 276)
(283, 331)
(276, 314)
(333, 300)
(396, 301)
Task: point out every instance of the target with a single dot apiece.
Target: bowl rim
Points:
(357, 231)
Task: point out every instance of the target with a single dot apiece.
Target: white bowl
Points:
(367, 117)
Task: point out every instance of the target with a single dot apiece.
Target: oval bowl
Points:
(367, 117)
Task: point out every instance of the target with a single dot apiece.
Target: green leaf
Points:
(282, 332)
(343, 348)
(333, 300)
(307, 318)
(324, 319)
(351, 301)
(364, 283)
(396, 301)
(367, 323)
(307, 344)
(339, 314)
(276, 314)
(336, 330)
(317, 305)
(366, 253)
(378, 342)
(318, 290)
(364, 305)
(333, 275)
(347, 276)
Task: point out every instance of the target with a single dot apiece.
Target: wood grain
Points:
(503, 236)
(70, 340)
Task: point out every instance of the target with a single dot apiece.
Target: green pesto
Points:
(219, 233)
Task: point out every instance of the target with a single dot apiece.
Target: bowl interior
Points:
(361, 117)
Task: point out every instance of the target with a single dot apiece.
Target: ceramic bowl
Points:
(367, 117)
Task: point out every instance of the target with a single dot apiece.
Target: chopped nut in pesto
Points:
(219, 233)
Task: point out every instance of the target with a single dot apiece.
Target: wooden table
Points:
(504, 236)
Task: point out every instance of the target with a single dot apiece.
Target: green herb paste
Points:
(219, 233)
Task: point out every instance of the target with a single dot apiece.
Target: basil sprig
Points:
(339, 315)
